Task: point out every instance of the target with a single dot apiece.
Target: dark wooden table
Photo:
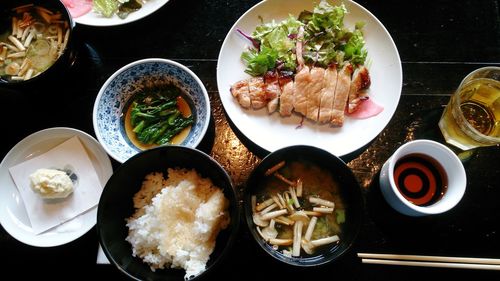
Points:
(439, 42)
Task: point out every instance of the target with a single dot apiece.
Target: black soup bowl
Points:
(319, 172)
(42, 17)
(116, 205)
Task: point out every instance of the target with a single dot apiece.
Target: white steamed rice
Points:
(177, 220)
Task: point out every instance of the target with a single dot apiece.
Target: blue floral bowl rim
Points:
(142, 61)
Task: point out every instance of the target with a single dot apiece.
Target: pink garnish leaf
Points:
(78, 8)
(367, 108)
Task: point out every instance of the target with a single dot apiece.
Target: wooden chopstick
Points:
(431, 261)
(430, 258)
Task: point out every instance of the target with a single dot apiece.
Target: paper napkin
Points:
(70, 156)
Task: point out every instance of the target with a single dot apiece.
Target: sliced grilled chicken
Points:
(314, 92)
(360, 82)
(287, 94)
(302, 81)
(302, 78)
(257, 93)
(241, 92)
(273, 90)
(322, 95)
(328, 94)
(341, 95)
(272, 105)
(287, 99)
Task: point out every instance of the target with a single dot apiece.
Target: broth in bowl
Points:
(36, 39)
(303, 206)
(299, 209)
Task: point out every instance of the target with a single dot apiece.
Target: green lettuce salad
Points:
(326, 41)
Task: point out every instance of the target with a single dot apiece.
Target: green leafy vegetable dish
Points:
(158, 116)
(326, 41)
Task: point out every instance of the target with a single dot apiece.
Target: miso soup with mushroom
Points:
(298, 210)
(34, 41)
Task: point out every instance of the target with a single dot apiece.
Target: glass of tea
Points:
(423, 177)
(472, 117)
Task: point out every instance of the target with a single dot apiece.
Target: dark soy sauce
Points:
(420, 179)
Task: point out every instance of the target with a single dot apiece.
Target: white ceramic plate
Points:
(94, 19)
(272, 132)
(13, 216)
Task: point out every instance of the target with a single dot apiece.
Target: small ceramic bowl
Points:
(64, 60)
(347, 197)
(116, 204)
(117, 92)
(431, 181)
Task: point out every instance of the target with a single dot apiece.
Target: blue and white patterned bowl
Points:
(132, 78)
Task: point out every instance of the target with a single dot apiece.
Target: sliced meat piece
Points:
(287, 94)
(272, 105)
(241, 92)
(314, 90)
(256, 93)
(302, 78)
(258, 96)
(360, 82)
(341, 95)
(285, 76)
(273, 90)
(287, 99)
(302, 81)
(328, 94)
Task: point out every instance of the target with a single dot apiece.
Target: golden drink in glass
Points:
(472, 117)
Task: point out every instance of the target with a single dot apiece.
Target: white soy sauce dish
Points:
(423, 177)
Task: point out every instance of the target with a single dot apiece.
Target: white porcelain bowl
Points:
(123, 84)
(453, 170)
